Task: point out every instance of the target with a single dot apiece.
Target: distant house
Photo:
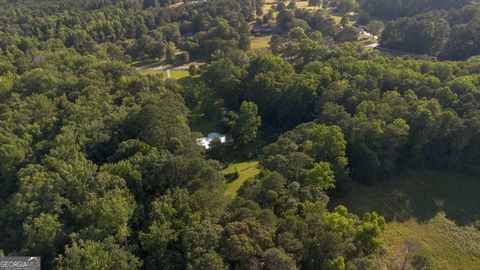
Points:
(205, 141)
(262, 29)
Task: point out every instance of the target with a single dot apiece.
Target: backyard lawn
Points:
(246, 170)
(154, 72)
(260, 42)
(179, 73)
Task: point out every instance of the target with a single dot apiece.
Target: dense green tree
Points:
(321, 176)
(346, 5)
(246, 241)
(96, 255)
(369, 233)
(267, 77)
(277, 259)
(244, 129)
(224, 77)
(107, 215)
(391, 9)
(43, 235)
(99, 168)
(162, 122)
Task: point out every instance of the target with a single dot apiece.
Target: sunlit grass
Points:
(260, 42)
(433, 211)
(246, 171)
(450, 246)
(161, 73)
(304, 5)
(178, 74)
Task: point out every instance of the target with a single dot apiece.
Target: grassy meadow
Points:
(428, 213)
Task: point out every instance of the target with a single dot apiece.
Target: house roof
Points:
(205, 141)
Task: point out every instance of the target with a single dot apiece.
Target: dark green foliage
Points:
(99, 168)
(107, 28)
(162, 123)
(448, 34)
(244, 128)
(310, 152)
(78, 181)
(389, 9)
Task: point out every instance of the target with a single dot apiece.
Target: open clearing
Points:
(246, 170)
(178, 74)
(260, 42)
(304, 5)
(430, 212)
(268, 6)
(157, 72)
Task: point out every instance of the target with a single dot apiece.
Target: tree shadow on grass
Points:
(420, 194)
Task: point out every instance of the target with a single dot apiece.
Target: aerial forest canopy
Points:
(444, 28)
(451, 34)
(99, 165)
(390, 9)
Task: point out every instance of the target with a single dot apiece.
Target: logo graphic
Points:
(20, 263)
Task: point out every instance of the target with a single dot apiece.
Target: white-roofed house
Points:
(205, 141)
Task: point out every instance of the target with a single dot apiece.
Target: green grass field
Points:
(146, 62)
(260, 42)
(154, 72)
(247, 170)
(179, 74)
(337, 16)
(429, 211)
(304, 5)
(174, 73)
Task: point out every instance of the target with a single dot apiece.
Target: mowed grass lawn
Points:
(247, 170)
(179, 74)
(174, 73)
(430, 212)
(162, 73)
(260, 42)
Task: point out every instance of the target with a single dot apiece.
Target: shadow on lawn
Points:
(419, 194)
